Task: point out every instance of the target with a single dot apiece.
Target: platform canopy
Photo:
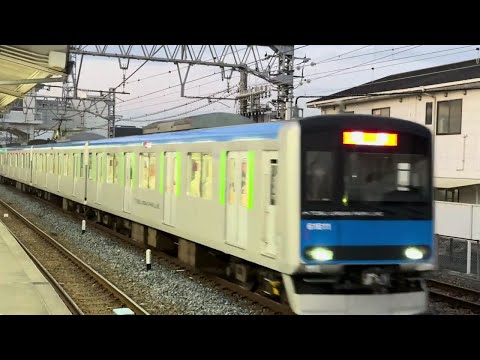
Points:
(24, 66)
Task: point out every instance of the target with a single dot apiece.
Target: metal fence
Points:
(460, 255)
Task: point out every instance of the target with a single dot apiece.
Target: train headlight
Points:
(413, 253)
(320, 254)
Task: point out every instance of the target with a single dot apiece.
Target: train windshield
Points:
(351, 181)
(387, 177)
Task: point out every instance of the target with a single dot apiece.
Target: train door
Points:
(127, 195)
(270, 171)
(237, 198)
(169, 201)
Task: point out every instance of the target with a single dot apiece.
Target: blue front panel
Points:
(365, 233)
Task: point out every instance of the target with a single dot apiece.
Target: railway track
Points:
(455, 295)
(83, 289)
(232, 288)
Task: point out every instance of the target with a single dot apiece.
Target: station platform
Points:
(23, 288)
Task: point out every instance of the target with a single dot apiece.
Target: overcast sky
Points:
(332, 68)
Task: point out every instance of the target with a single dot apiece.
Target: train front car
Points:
(366, 229)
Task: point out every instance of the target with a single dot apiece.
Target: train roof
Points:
(257, 131)
(225, 133)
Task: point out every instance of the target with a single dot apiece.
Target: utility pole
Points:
(243, 90)
(284, 80)
(111, 113)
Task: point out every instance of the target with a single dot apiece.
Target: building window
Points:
(381, 112)
(428, 113)
(449, 117)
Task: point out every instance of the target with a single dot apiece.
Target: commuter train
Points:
(332, 214)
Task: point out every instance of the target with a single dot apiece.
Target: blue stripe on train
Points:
(365, 233)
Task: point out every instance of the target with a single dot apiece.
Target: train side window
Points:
(206, 177)
(100, 166)
(116, 167)
(81, 164)
(66, 158)
(60, 164)
(75, 166)
(144, 171)
(152, 167)
(110, 166)
(231, 181)
(195, 169)
(200, 175)
(244, 185)
(90, 160)
(70, 164)
(148, 166)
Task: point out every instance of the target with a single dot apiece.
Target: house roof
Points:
(465, 70)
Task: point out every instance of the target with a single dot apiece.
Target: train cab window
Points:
(386, 177)
(318, 182)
